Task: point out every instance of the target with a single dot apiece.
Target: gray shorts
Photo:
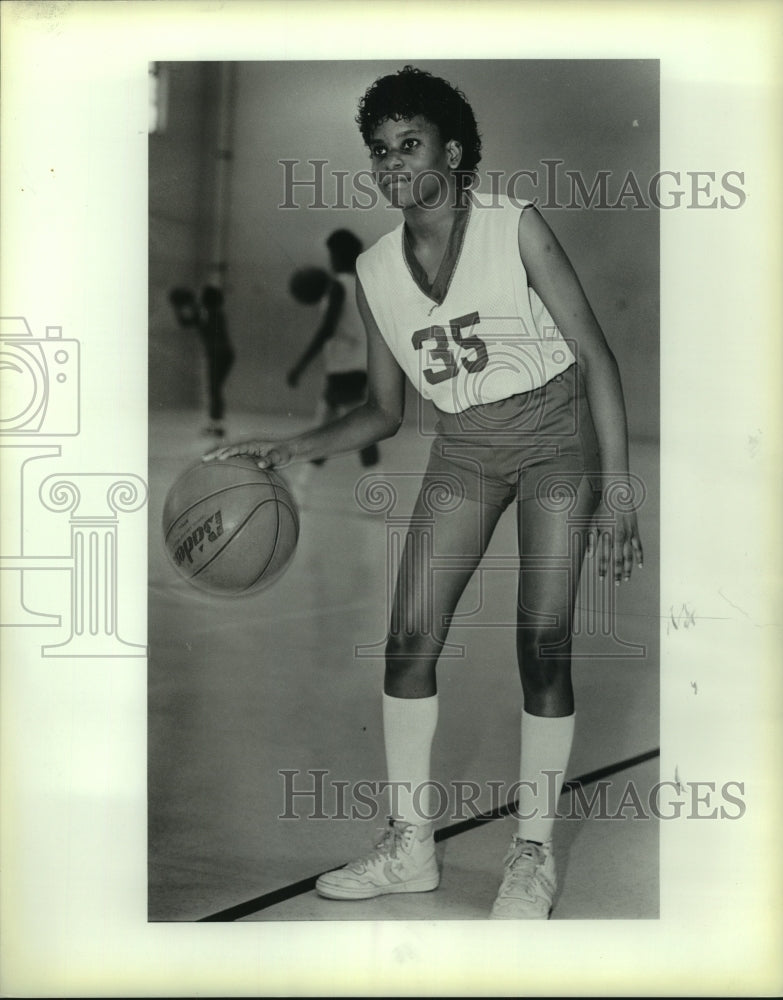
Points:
(501, 451)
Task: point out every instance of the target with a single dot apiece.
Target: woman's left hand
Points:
(617, 544)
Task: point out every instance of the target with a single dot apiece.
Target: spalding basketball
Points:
(229, 527)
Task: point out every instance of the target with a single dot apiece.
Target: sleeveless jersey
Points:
(346, 349)
(490, 338)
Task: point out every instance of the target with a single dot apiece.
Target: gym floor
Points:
(242, 690)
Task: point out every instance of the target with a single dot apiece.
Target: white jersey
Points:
(346, 349)
(489, 338)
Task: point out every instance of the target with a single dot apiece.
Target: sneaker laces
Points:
(390, 837)
(524, 863)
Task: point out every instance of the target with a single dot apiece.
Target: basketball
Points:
(308, 285)
(229, 527)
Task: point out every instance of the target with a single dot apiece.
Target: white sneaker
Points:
(529, 883)
(403, 860)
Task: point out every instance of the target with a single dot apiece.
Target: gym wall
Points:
(593, 115)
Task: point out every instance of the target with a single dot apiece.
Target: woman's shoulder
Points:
(492, 205)
(381, 252)
(495, 218)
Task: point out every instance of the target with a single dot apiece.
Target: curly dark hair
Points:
(411, 92)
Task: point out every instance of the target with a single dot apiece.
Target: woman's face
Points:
(411, 164)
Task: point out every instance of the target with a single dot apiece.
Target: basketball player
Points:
(480, 307)
(341, 337)
(218, 350)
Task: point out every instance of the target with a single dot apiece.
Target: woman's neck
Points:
(432, 225)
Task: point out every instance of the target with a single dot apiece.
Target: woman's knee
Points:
(540, 642)
(544, 655)
(408, 649)
(410, 667)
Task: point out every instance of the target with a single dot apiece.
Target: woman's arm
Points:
(379, 417)
(325, 330)
(553, 278)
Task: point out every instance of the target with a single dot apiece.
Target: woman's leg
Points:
(552, 541)
(441, 551)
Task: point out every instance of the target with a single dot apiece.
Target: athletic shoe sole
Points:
(323, 888)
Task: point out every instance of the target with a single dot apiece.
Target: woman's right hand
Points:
(268, 454)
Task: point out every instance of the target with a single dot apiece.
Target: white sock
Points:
(408, 730)
(546, 746)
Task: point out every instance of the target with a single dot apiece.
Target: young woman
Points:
(477, 304)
